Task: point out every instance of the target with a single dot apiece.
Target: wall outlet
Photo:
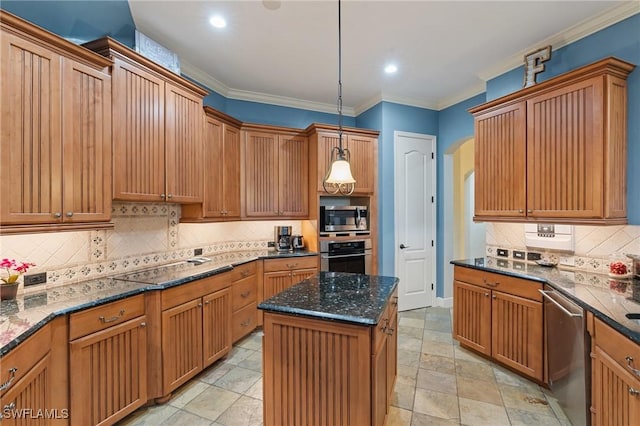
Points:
(503, 252)
(197, 252)
(34, 279)
(532, 255)
(518, 254)
(567, 260)
(271, 244)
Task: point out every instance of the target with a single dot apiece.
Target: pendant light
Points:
(339, 178)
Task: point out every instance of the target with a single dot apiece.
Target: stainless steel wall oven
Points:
(346, 256)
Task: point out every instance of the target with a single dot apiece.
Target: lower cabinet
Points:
(384, 362)
(500, 317)
(244, 295)
(196, 328)
(615, 380)
(280, 274)
(33, 378)
(108, 362)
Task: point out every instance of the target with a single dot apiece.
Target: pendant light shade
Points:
(339, 178)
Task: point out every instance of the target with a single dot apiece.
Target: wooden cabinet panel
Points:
(517, 333)
(216, 326)
(101, 317)
(244, 321)
(392, 355)
(181, 344)
(261, 174)
(363, 152)
(564, 152)
(379, 377)
(326, 142)
(86, 131)
(291, 263)
(276, 282)
(183, 145)
(500, 162)
(302, 274)
(138, 133)
(231, 165)
(472, 316)
(244, 291)
(293, 175)
(108, 373)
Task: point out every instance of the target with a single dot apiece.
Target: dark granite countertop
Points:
(353, 298)
(607, 298)
(22, 317)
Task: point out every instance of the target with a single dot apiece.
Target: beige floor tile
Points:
(182, 418)
(504, 376)
(408, 370)
(437, 348)
(436, 336)
(187, 392)
(557, 410)
(477, 413)
(237, 355)
(149, 416)
(409, 344)
(419, 419)
(252, 362)
(407, 380)
(214, 372)
(245, 411)
(479, 390)
(436, 404)
(438, 325)
(414, 313)
(439, 363)
(474, 370)
(403, 396)
(252, 342)
(467, 355)
(525, 399)
(238, 379)
(437, 381)
(256, 390)
(411, 322)
(415, 333)
(211, 403)
(398, 417)
(527, 418)
(409, 358)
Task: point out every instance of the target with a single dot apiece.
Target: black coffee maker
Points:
(283, 238)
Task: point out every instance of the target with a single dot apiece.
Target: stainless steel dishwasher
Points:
(567, 343)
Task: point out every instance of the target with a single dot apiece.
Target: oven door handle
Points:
(545, 294)
(325, 256)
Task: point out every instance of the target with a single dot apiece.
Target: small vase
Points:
(8, 291)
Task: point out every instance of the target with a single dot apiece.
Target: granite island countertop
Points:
(607, 298)
(22, 317)
(338, 296)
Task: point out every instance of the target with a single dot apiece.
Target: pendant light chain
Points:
(340, 76)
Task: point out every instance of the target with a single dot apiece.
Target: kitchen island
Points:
(330, 350)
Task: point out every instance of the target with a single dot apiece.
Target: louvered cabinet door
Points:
(30, 145)
(138, 134)
(108, 373)
(231, 164)
(500, 150)
(517, 333)
(214, 163)
(184, 147)
(86, 130)
(216, 325)
(298, 275)
(565, 152)
(326, 142)
(614, 395)
(293, 172)
(276, 282)
(472, 316)
(32, 393)
(261, 174)
(363, 151)
(181, 344)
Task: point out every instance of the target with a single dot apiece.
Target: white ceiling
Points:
(445, 50)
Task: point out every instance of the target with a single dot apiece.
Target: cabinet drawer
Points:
(621, 349)
(243, 292)
(382, 329)
(289, 263)
(504, 283)
(101, 317)
(241, 271)
(180, 294)
(244, 321)
(17, 363)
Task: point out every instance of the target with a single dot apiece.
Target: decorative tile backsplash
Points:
(595, 246)
(144, 235)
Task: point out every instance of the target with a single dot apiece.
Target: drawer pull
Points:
(245, 294)
(629, 360)
(9, 407)
(292, 266)
(112, 319)
(633, 391)
(245, 323)
(244, 274)
(490, 284)
(12, 375)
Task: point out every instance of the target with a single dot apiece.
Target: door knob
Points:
(402, 246)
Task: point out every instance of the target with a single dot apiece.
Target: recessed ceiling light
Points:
(218, 21)
(390, 69)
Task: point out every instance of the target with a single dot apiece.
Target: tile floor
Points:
(439, 383)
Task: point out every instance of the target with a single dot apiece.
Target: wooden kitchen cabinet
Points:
(244, 297)
(556, 151)
(108, 362)
(500, 317)
(615, 380)
(33, 377)
(222, 171)
(157, 132)
(280, 274)
(55, 133)
(275, 173)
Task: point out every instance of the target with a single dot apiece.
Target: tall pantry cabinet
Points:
(56, 131)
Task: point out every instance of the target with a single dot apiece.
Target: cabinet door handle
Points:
(112, 319)
(57, 215)
(170, 196)
(529, 211)
(207, 302)
(494, 297)
(199, 305)
(143, 324)
(12, 375)
(629, 360)
(633, 391)
(163, 196)
(486, 295)
(520, 211)
(69, 214)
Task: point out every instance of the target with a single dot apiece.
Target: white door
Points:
(415, 219)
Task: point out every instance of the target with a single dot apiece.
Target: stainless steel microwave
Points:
(343, 218)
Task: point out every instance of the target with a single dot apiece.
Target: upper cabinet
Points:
(275, 172)
(222, 170)
(157, 136)
(556, 151)
(55, 134)
(363, 150)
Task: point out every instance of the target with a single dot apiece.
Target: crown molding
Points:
(385, 97)
(203, 78)
(265, 98)
(566, 37)
(462, 96)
